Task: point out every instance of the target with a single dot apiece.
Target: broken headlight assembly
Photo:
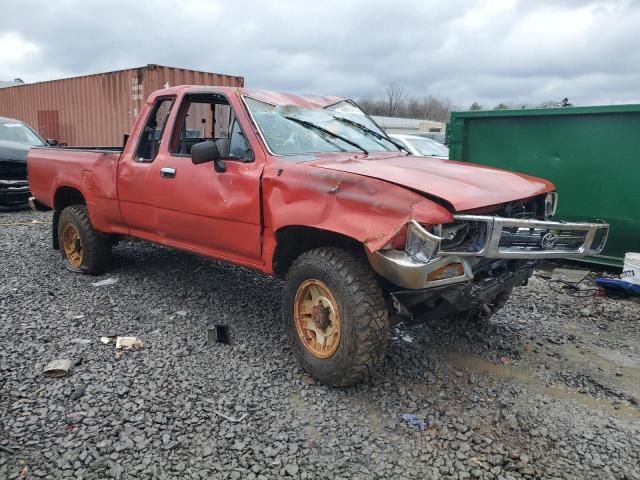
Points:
(421, 244)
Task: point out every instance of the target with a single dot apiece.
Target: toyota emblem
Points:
(549, 240)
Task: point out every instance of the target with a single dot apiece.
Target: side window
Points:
(153, 129)
(238, 145)
(209, 117)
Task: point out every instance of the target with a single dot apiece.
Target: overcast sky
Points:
(489, 51)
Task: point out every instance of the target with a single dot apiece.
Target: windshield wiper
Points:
(365, 129)
(309, 124)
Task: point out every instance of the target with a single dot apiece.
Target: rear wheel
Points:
(335, 316)
(83, 248)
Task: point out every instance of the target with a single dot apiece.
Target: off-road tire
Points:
(364, 316)
(96, 246)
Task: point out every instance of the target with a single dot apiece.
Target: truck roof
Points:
(275, 98)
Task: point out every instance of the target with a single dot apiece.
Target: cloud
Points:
(14, 50)
(487, 51)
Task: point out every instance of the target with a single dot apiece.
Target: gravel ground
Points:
(549, 388)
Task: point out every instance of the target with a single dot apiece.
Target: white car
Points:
(421, 146)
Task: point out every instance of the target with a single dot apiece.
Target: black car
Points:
(16, 138)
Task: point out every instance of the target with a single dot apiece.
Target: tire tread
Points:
(369, 309)
(96, 245)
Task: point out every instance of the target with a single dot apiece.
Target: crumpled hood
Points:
(13, 152)
(464, 185)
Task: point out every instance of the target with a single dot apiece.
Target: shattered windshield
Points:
(349, 111)
(295, 130)
(13, 131)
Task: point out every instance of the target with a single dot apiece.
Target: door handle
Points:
(167, 172)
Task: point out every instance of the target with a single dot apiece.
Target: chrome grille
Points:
(533, 239)
(499, 237)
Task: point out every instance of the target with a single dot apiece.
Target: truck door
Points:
(197, 208)
(139, 164)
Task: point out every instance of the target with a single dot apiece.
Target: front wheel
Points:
(83, 248)
(335, 316)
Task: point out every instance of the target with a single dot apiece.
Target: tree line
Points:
(396, 103)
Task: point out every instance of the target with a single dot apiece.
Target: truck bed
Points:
(92, 171)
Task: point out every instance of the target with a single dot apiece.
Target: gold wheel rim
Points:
(72, 245)
(317, 318)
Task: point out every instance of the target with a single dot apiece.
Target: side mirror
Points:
(207, 151)
(52, 142)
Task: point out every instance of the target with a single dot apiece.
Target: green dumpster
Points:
(592, 154)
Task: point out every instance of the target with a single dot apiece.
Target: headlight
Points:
(550, 204)
(421, 245)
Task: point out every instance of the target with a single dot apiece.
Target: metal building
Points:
(96, 110)
(408, 125)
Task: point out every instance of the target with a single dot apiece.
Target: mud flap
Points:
(54, 230)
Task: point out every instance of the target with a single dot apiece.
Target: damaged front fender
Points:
(368, 210)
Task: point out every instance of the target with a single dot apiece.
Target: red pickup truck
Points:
(311, 190)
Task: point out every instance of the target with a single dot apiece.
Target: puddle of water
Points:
(479, 365)
(624, 410)
(622, 369)
(476, 364)
(617, 358)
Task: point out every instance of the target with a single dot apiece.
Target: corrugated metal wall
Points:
(96, 110)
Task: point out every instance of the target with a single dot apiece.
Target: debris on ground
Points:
(57, 368)
(128, 343)
(7, 450)
(413, 421)
(618, 287)
(569, 274)
(218, 334)
(582, 289)
(308, 379)
(231, 419)
(106, 282)
(32, 222)
(122, 344)
(631, 268)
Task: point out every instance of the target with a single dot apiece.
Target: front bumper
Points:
(492, 238)
(14, 194)
(440, 302)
